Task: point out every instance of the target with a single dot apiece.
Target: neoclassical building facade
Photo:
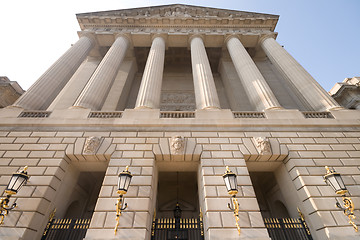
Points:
(177, 93)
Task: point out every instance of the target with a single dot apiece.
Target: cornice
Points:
(94, 22)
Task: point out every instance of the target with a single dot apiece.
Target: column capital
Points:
(227, 38)
(162, 35)
(89, 35)
(196, 35)
(266, 36)
(127, 36)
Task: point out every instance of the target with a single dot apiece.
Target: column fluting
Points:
(100, 82)
(150, 88)
(316, 96)
(255, 85)
(204, 85)
(47, 87)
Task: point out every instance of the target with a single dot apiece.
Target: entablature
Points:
(177, 16)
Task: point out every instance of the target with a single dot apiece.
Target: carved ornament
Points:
(91, 145)
(263, 146)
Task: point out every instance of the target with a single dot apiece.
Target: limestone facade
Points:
(347, 93)
(186, 89)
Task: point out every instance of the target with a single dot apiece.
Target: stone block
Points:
(141, 220)
(232, 233)
(311, 154)
(98, 220)
(53, 140)
(4, 146)
(73, 113)
(228, 219)
(8, 140)
(204, 134)
(319, 147)
(284, 114)
(41, 154)
(212, 162)
(128, 234)
(106, 191)
(133, 154)
(221, 154)
(210, 191)
(125, 221)
(141, 114)
(19, 134)
(16, 154)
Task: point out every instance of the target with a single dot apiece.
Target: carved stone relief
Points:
(177, 145)
(91, 145)
(177, 101)
(263, 146)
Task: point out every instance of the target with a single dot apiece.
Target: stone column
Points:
(150, 88)
(100, 82)
(47, 87)
(316, 96)
(204, 85)
(255, 85)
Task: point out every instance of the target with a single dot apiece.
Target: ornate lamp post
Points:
(231, 186)
(335, 180)
(17, 180)
(124, 180)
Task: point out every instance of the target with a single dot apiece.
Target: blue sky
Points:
(322, 35)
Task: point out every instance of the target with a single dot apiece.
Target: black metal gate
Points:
(69, 229)
(287, 228)
(177, 229)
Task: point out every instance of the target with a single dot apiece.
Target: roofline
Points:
(168, 5)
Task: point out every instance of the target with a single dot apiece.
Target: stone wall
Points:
(50, 155)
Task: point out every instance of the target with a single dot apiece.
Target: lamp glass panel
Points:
(233, 182)
(336, 182)
(16, 182)
(227, 182)
(11, 184)
(340, 181)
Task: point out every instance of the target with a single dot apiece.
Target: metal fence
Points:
(179, 229)
(287, 228)
(69, 229)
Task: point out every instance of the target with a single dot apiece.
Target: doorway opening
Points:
(177, 208)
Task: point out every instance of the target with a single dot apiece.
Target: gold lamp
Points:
(17, 180)
(335, 180)
(124, 180)
(231, 186)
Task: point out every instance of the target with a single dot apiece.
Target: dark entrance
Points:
(177, 211)
(74, 222)
(278, 222)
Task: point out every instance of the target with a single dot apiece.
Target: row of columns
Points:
(256, 87)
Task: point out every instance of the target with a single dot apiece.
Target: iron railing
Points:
(34, 114)
(115, 114)
(318, 115)
(179, 229)
(287, 228)
(69, 229)
(177, 114)
(249, 115)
